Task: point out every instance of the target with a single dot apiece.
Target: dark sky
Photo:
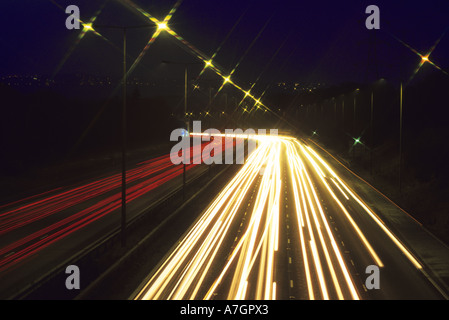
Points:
(319, 41)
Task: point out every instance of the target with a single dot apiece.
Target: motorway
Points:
(44, 231)
(287, 226)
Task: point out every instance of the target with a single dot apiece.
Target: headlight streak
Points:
(371, 213)
(348, 216)
(312, 242)
(241, 181)
(193, 269)
(294, 169)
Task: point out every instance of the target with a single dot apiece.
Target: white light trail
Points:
(195, 269)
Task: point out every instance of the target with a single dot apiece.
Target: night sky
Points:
(318, 41)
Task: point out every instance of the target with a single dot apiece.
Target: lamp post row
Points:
(400, 174)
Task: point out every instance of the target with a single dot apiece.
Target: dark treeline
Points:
(371, 113)
(45, 128)
(368, 135)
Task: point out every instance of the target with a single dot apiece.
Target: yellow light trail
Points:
(370, 213)
(195, 267)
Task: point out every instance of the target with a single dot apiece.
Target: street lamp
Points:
(372, 124)
(124, 122)
(186, 120)
(353, 120)
(354, 131)
(185, 64)
(162, 26)
(371, 132)
(343, 111)
(400, 140)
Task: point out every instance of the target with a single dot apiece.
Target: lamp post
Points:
(354, 121)
(124, 127)
(335, 111)
(400, 141)
(186, 120)
(354, 118)
(374, 86)
(371, 133)
(185, 64)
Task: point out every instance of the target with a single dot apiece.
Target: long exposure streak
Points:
(194, 268)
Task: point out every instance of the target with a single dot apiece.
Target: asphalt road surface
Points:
(287, 226)
(40, 232)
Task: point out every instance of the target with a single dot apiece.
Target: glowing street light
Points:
(208, 63)
(424, 58)
(87, 27)
(162, 26)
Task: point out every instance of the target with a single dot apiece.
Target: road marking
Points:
(291, 283)
(7, 255)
